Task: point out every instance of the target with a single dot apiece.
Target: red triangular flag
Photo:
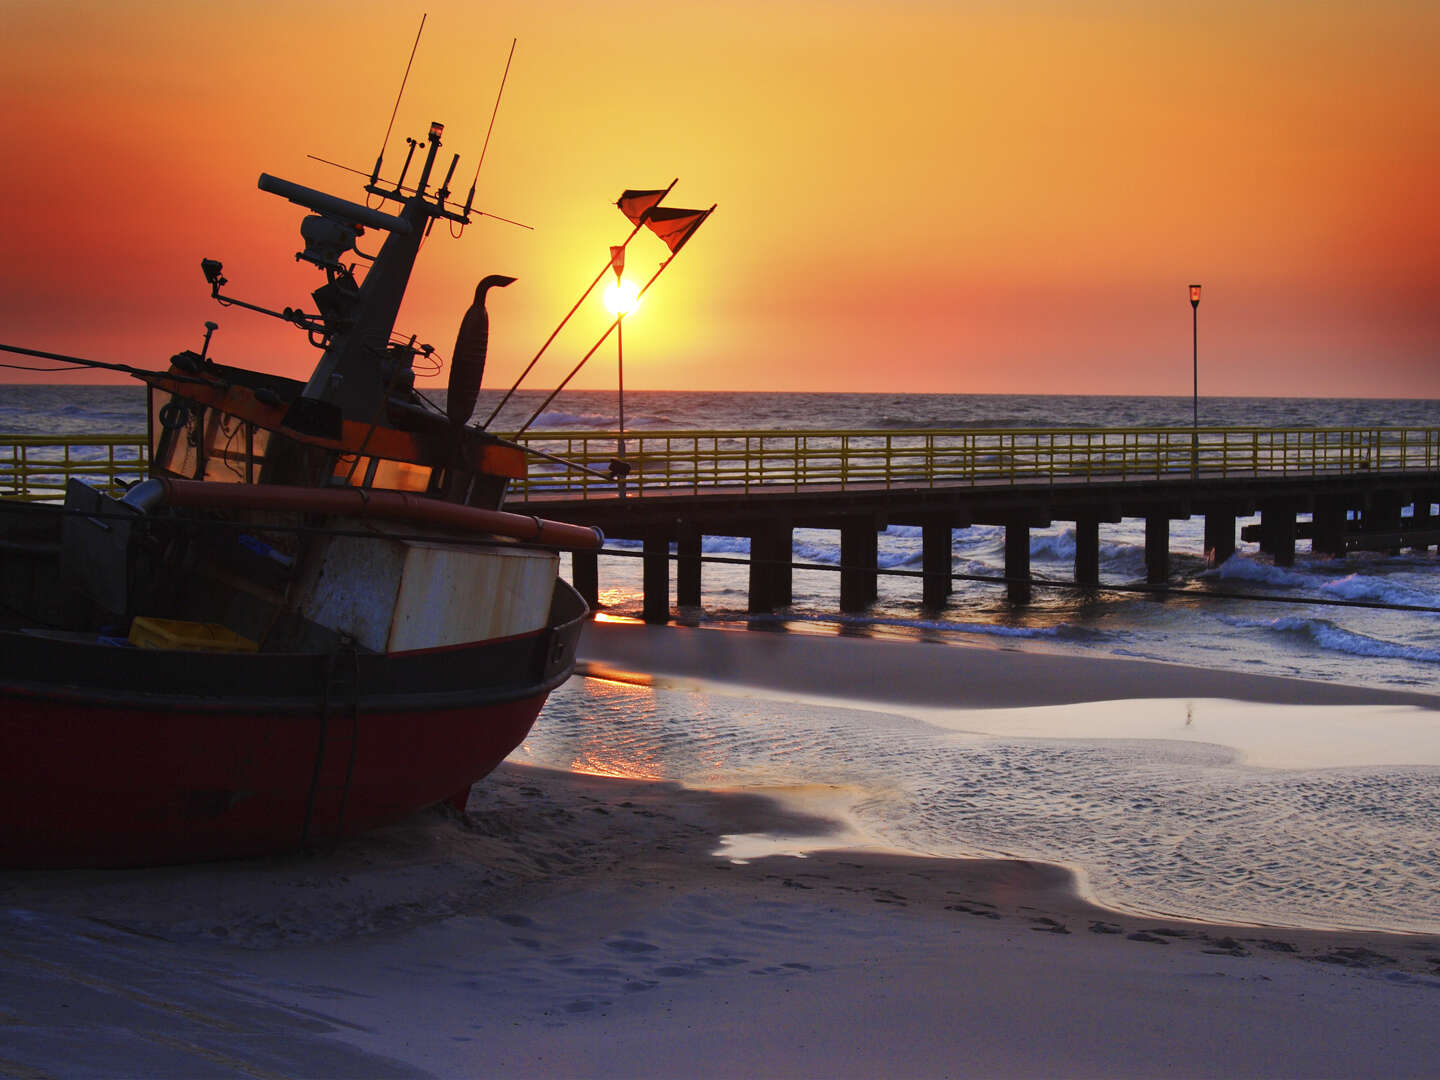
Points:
(633, 203)
(617, 260)
(674, 225)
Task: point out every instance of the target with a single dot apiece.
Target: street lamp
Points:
(1195, 374)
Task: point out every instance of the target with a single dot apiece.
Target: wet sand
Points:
(577, 925)
(978, 676)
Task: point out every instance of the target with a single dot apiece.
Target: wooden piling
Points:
(1087, 550)
(655, 607)
(859, 563)
(1422, 520)
(935, 562)
(1157, 547)
(771, 576)
(585, 576)
(1017, 559)
(1327, 525)
(1277, 532)
(687, 566)
(1382, 515)
(1219, 536)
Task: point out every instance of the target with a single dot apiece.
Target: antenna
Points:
(470, 199)
(375, 176)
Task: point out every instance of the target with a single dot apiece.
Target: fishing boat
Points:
(313, 617)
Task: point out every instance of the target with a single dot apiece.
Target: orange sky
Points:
(938, 196)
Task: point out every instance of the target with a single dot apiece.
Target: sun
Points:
(622, 297)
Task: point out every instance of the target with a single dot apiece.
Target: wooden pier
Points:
(1343, 489)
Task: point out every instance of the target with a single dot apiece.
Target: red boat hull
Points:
(115, 787)
(125, 757)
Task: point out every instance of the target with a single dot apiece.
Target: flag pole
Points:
(589, 289)
(611, 328)
(620, 357)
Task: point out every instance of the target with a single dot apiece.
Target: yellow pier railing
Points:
(36, 467)
(672, 462)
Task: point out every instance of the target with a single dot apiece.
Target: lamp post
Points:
(1195, 375)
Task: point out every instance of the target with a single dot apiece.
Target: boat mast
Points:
(359, 367)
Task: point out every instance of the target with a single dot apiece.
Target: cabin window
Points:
(175, 425)
(227, 449)
(359, 470)
(197, 443)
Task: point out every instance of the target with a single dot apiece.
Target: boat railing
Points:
(36, 468)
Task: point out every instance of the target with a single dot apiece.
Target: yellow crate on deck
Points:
(151, 633)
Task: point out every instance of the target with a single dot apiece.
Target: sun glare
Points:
(622, 297)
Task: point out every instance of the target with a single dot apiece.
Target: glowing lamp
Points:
(622, 297)
(1195, 296)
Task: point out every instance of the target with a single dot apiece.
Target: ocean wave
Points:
(1053, 546)
(554, 420)
(725, 545)
(806, 551)
(1122, 560)
(1242, 568)
(1352, 586)
(905, 423)
(898, 558)
(1359, 587)
(1326, 635)
(903, 532)
(979, 536)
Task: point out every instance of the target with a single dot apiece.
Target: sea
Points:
(1320, 818)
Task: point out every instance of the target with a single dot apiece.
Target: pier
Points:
(1342, 488)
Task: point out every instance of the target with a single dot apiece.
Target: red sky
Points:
(939, 196)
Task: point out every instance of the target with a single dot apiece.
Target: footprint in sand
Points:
(1226, 946)
(584, 1005)
(1050, 926)
(1272, 945)
(969, 909)
(720, 961)
(1361, 958)
(630, 945)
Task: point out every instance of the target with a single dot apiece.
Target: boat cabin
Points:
(229, 425)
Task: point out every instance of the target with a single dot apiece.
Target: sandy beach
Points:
(575, 925)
